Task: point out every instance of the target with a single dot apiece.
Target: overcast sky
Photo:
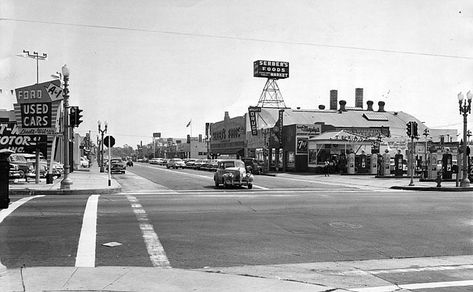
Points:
(152, 66)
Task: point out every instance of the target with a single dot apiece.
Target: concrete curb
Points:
(434, 189)
(33, 192)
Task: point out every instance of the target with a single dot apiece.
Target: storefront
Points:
(228, 137)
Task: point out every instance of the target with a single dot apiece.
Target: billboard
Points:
(271, 69)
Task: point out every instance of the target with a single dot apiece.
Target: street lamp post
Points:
(66, 182)
(426, 165)
(465, 109)
(101, 144)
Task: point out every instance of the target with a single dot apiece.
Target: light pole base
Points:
(66, 183)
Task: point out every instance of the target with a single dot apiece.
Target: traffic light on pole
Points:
(409, 129)
(72, 116)
(78, 116)
(415, 134)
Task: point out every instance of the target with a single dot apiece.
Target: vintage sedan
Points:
(232, 172)
(118, 165)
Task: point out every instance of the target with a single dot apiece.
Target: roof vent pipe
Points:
(369, 103)
(342, 106)
(381, 106)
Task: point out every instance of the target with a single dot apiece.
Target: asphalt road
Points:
(177, 218)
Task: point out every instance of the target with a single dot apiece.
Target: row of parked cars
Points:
(254, 166)
(23, 166)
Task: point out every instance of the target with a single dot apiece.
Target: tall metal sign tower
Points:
(271, 96)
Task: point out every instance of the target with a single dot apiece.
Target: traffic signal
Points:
(415, 134)
(72, 117)
(78, 116)
(409, 129)
(75, 118)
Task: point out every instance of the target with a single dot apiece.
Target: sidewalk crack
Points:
(70, 277)
(118, 278)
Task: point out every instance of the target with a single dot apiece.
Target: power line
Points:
(240, 38)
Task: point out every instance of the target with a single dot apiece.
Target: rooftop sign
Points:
(271, 69)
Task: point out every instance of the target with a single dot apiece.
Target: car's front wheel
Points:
(250, 186)
(216, 184)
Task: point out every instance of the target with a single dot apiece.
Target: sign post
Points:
(109, 141)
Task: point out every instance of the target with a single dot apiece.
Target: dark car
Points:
(232, 172)
(25, 167)
(117, 165)
(252, 165)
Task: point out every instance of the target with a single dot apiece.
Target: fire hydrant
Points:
(439, 180)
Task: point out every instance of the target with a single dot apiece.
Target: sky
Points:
(153, 66)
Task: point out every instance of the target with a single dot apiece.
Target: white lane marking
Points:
(13, 206)
(87, 240)
(339, 184)
(197, 175)
(155, 250)
(416, 286)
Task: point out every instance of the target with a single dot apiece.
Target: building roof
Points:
(394, 120)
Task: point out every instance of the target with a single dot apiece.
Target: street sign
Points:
(109, 141)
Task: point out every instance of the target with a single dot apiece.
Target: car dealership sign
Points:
(37, 108)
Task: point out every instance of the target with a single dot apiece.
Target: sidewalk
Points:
(84, 181)
(371, 181)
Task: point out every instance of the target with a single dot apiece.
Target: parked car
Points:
(43, 164)
(25, 167)
(175, 163)
(14, 172)
(252, 165)
(158, 161)
(117, 165)
(200, 163)
(190, 163)
(232, 172)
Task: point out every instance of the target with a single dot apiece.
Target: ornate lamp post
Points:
(465, 109)
(101, 144)
(66, 182)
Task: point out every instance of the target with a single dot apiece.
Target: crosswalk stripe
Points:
(155, 250)
(13, 206)
(87, 240)
(416, 286)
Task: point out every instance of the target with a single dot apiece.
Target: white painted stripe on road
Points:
(410, 270)
(86, 250)
(155, 250)
(13, 206)
(416, 286)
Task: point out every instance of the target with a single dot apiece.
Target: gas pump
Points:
(351, 163)
(386, 164)
(362, 163)
(374, 164)
(398, 163)
(432, 166)
(447, 165)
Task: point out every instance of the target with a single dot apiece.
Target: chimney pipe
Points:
(333, 99)
(369, 103)
(342, 105)
(381, 106)
(359, 97)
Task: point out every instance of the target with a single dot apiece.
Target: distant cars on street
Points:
(175, 163)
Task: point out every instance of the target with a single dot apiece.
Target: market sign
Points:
(271, 69)
(37, 108)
